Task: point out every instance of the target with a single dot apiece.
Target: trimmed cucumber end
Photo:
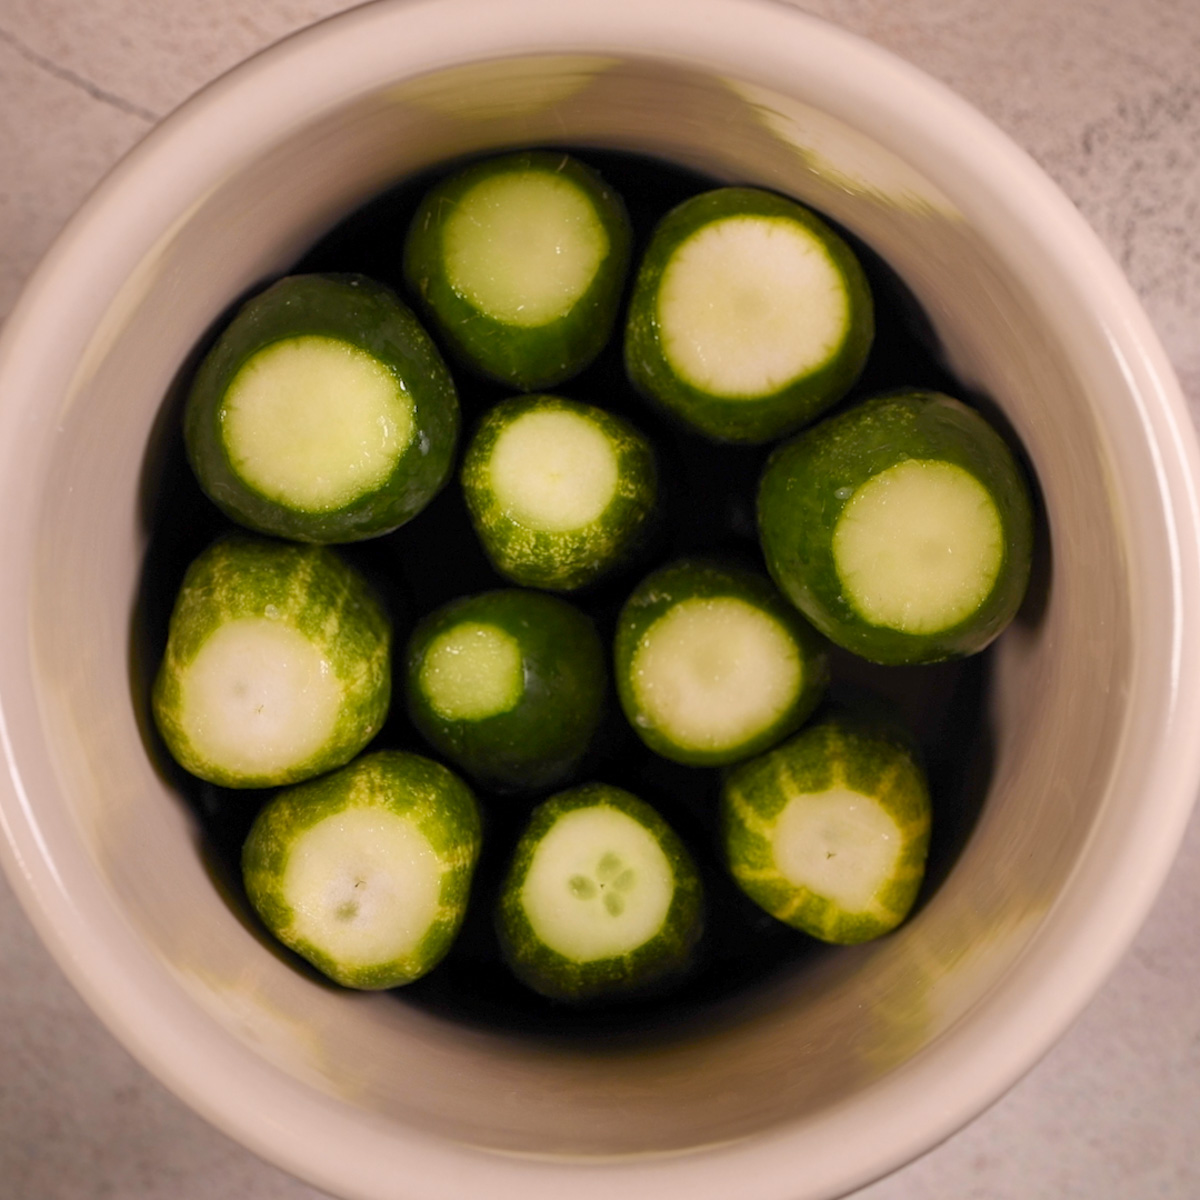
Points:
(560, 493)
(712, 673)
(749, 316)
(315, 422)
(553, 471)
(524, 246)
(366, 871)
(749, 304)
(472, 671)
(257, 698)
(508, 684)
(602, 900)
(598, 886)
(829, 831)
(919, 547)
(364, 887)
(277, 664)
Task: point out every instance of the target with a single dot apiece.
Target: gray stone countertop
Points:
(1105, 94)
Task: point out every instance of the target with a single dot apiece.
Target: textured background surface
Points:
(1105, 94)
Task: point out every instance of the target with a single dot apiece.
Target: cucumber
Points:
(601, 900)
(713, 665)
(902, 528)
(749, 316)
(829, 831)
(559, 492)
(323, 413)
(366, 872)
(519, 263)
(509, 685)
(277, 664)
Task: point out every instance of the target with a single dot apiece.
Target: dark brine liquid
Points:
(708, 508)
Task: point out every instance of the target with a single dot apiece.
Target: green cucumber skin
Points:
(409, 785)
(868, 757)
(745, 421)
(241, 575)
(561, 562)
(654, 965)
(523, 358)
(699, 578)
(808, 481)
(541, 741)
(370, 316)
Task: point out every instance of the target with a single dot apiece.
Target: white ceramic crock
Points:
(830, 1076)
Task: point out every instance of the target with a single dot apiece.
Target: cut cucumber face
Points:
(366, 872)
(829, 831)
(602, 900)
(324, 412)
(560, 493)
(902, 528)
(713, 665)
(749, 317)
(519, 262)
(277, 665)
(509, 685)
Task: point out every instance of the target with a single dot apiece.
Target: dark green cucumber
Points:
(829, 831)
(602, 899)
(749, 317)
(277, 665)
(509, 685)
(902, 528)
(559, 492)
(323, 413)
(519, 262)
(713, 665)
(366, 872)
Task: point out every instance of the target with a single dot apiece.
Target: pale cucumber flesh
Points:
(748, 304)
(711, 673)
(553, 470)
(472, 671)
(363, 886)
(314, 422)
(919, 546)
(829, 831)
(258, 697)
(838, 844)
(524, 246)
(598, 886)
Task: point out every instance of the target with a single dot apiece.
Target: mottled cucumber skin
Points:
(656, 965)
(441, 806)
(808, 481)
(311, 589)
(742, 420)
(872, 759)
(539, 742)
(370, 316)
(562, 560)
(524, 357)
(696, 578)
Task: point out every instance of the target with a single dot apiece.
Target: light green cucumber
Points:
(519, 263)
(602, 899)
(509, 685)
(366, 872)
(713, 665)
(560, 493)
(902, 528)
(749, 316)
(277, 664)
(323, 413)
(829, 831)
